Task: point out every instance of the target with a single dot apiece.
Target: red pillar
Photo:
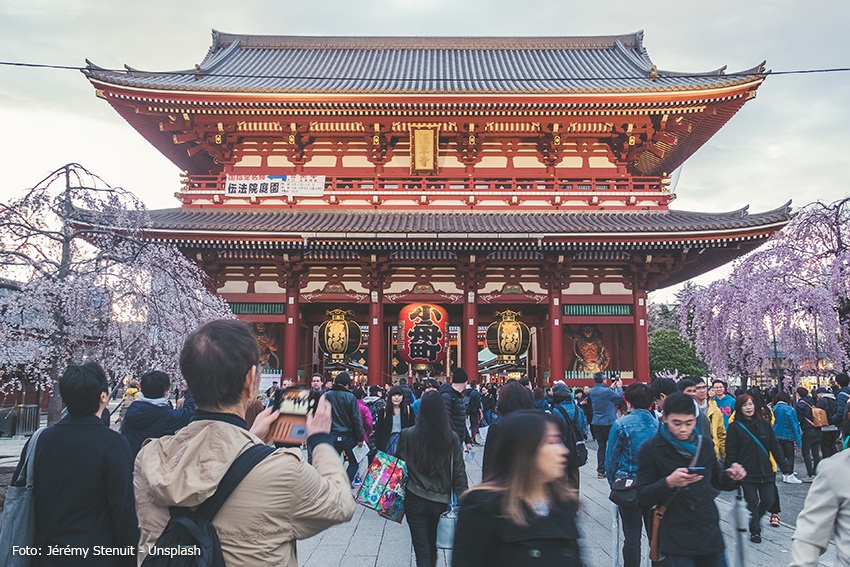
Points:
(641, 338)
(556, 338)
(376, 340)
(293, 327)
(469, 336)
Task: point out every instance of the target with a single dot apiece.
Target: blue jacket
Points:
(842, 406)
(605, 401)
(628, 434)
(786, 426)
(144, 420)
(575, 414)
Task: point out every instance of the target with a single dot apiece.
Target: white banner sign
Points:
(274, 185)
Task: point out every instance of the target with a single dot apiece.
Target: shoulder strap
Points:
(240, 468)
(563, 412)
(28, 466)
(756, 439)
(577, 433)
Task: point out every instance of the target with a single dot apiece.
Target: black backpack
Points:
(573, 439)
(193, 531)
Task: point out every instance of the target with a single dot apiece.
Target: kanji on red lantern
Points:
(422, 333)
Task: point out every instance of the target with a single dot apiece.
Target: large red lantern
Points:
(422, 333)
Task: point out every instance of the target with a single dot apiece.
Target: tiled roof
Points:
(388, 224)
(344, 65)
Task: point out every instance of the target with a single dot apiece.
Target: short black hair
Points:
(81, 386)
(661, 386)
(684, 384)
(802, 391)
(718, 381)
(639, 395)
(155, 383)
(680, 404)
(842, 379)
(215, 360)
(598, 377)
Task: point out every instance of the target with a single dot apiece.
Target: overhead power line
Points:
(193, 74)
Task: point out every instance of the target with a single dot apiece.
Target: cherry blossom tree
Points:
(788, 300)
(91, 288)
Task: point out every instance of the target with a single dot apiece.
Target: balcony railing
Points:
(423, 190)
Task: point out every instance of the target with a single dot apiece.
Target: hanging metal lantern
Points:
(339, 336)
(422, 333)
(508, 339)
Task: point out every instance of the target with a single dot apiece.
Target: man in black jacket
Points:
(453, 398)
(346, 426)
(151, 416)
(83, 485)
(690, 530)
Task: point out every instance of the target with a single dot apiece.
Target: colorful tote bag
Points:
(383, 487)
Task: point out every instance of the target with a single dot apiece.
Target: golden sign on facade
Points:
(424, 149)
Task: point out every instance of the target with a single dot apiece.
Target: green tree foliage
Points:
(669, 351)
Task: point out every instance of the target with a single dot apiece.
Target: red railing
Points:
(424, 189)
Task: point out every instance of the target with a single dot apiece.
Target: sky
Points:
(786, 144)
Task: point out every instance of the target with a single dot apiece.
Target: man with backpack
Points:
(574, 430)
(265, 499)
(811, 433)
(825, 400)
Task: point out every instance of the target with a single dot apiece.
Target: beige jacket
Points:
(282, 499)
(825, 515)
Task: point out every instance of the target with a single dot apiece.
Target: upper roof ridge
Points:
(222, 40)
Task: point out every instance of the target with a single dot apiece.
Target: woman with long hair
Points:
(751, 442)
(436, 469)
(524, 513)
(511, 397)
(397, 416)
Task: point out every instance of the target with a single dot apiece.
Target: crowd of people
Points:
(665, 449)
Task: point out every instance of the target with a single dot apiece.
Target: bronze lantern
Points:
(339, 336)
(508, 338)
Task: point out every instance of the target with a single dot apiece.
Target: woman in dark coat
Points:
(751, 441)
(397, 416)
(436, 472)
(525, 513)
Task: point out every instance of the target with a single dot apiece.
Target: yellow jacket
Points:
(718, 432)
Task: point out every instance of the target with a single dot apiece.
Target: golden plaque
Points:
(424, 149)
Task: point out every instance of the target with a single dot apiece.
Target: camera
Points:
(294, 404)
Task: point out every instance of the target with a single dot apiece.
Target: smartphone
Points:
(696, 470)
(294, 404)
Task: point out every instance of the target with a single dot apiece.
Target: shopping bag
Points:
(383, 487)
(19, 513)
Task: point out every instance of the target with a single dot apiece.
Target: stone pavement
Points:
(371, 541)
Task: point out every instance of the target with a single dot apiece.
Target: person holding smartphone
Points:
(677, 469)
(751, 441)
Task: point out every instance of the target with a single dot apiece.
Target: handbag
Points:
(19, 512)
(448, 519)
(383, 487)
(623, 492)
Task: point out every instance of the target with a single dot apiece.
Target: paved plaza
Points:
(371, 541)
